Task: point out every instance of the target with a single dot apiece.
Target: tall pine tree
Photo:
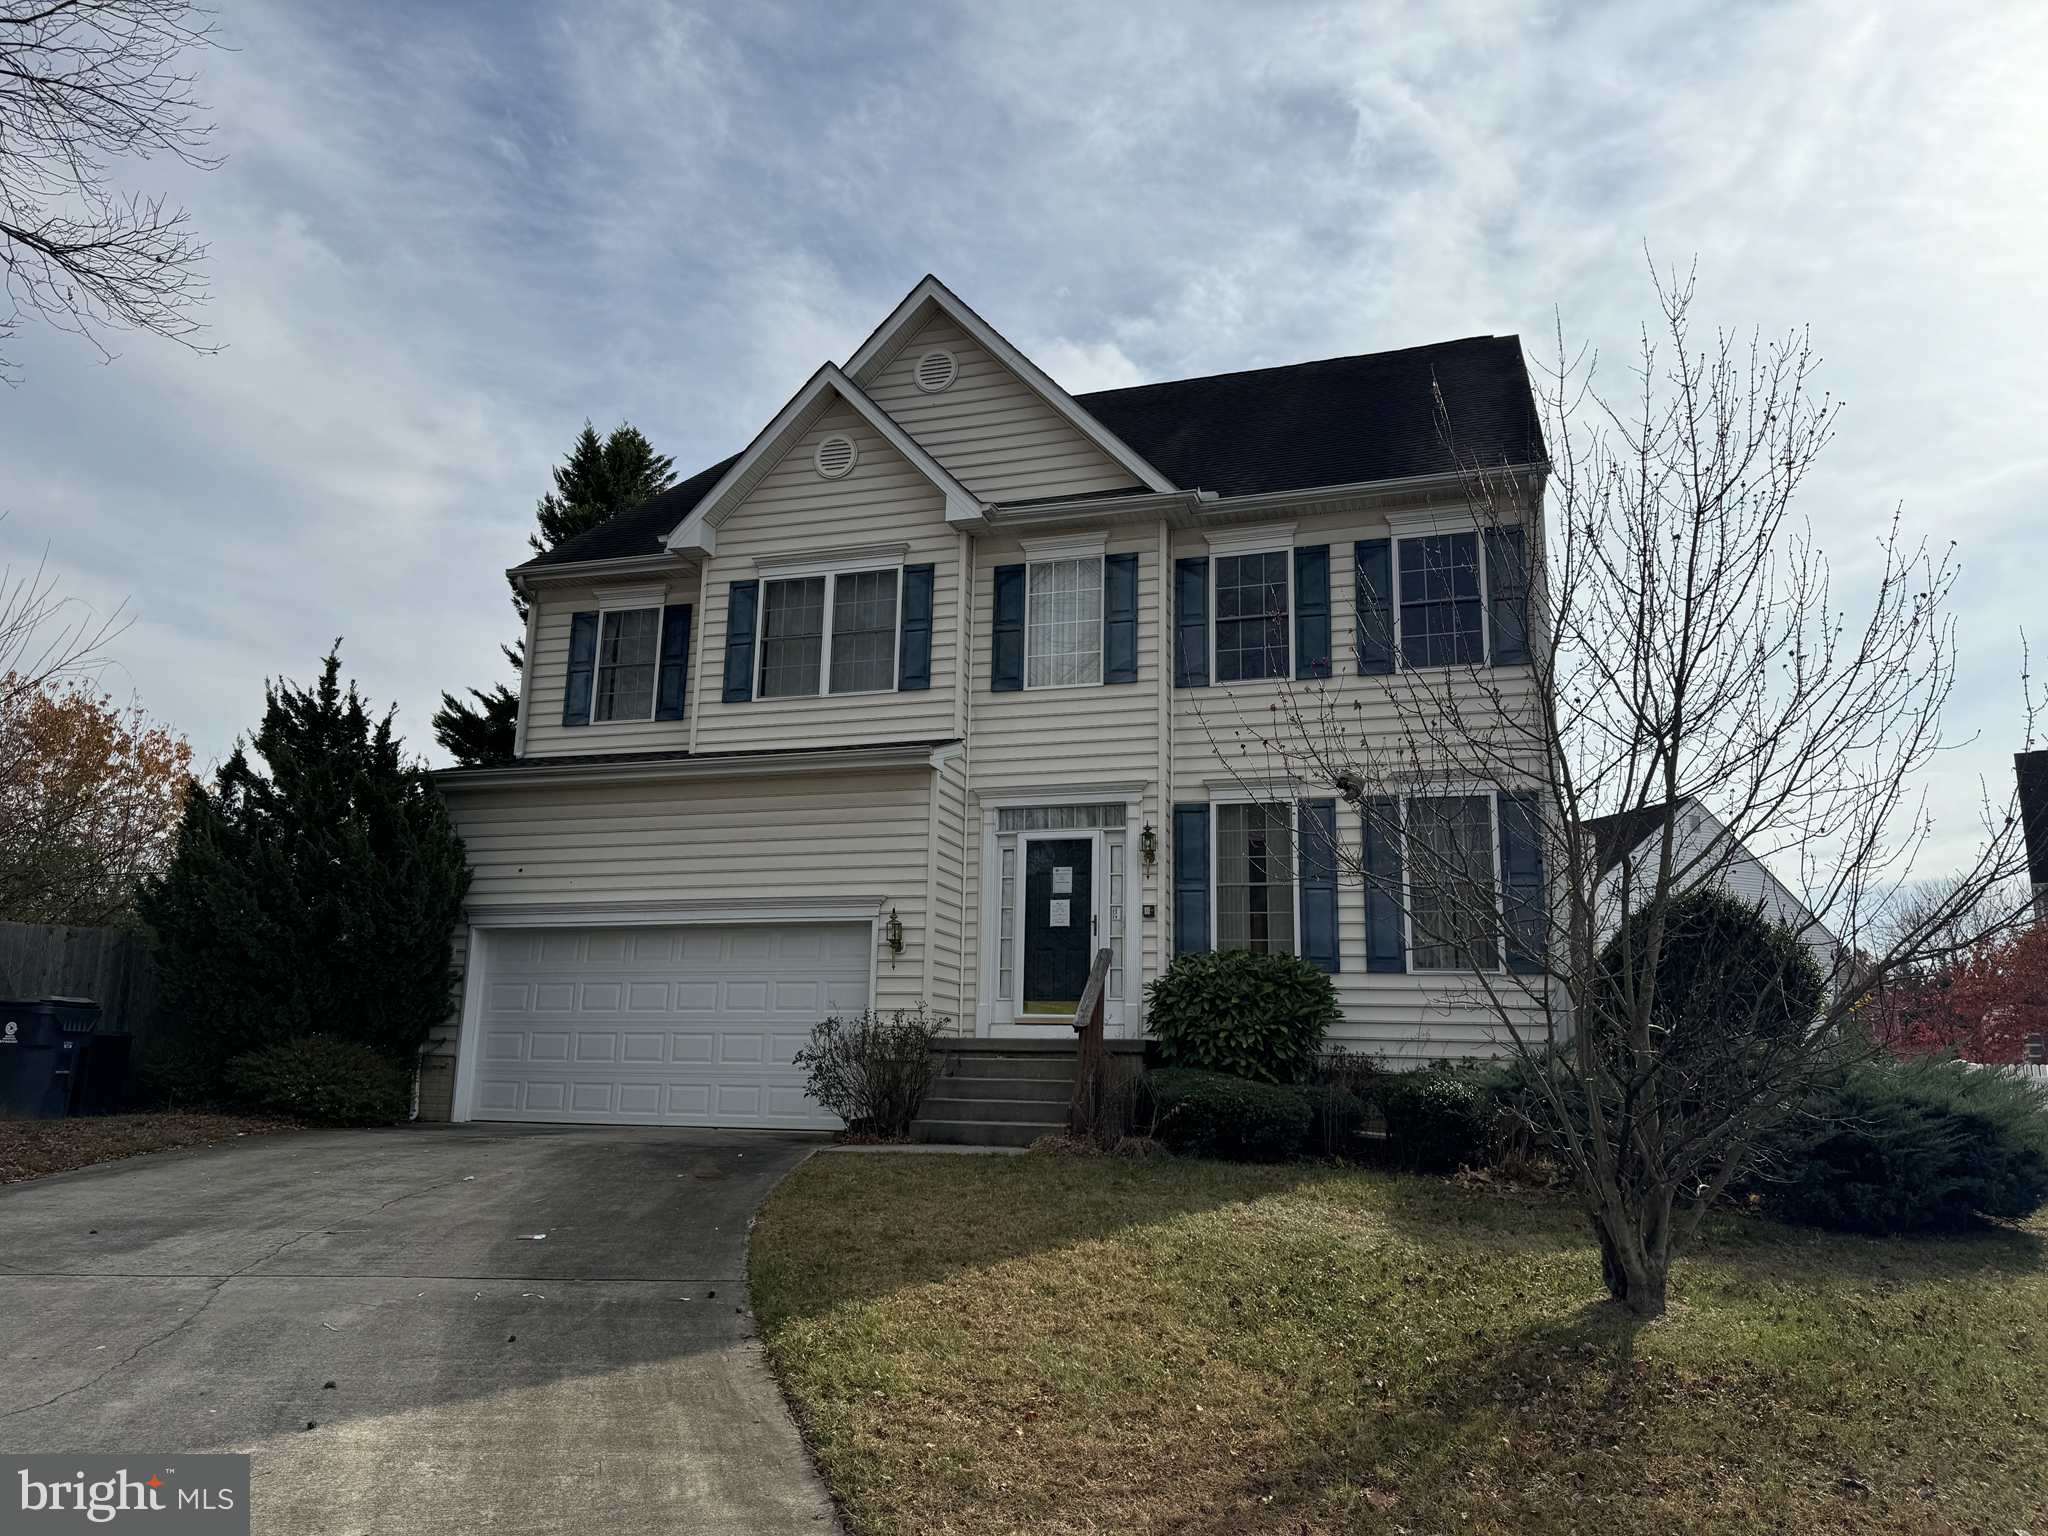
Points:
(313, 896)
(601, 478)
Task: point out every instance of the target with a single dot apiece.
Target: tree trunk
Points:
(1635, 1276)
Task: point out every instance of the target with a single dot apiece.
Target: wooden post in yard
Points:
(1084, 1113)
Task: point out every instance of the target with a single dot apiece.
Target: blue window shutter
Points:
(1312, 611)
(1191, 625)
(1190, 879)
(675, 662)
(1006, 633)
(582, 668)
(740, 615)
(1375, 606)
(1521, 871)
(1317, 862)
(1385, 945)
(1120, 619)
(914, 653)
(1507, 596)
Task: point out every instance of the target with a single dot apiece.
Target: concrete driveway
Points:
(363, 1311)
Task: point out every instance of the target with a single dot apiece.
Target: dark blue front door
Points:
(1059, 923)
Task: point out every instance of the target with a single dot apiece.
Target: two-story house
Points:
(917, 699)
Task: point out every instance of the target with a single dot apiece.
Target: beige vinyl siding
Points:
(948, 988)
(793, 837)
(994, 432)
(547, 675)
(794, 511)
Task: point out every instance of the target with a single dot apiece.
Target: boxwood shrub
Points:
(1254, 1016)
(1438, 1117)
(1922, 1146)
(322, 1080)
(1210, 1114)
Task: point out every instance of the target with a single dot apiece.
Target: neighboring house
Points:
(1704, 852)
(911, 702)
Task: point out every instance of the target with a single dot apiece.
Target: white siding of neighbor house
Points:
(794, 837)
(885, 500)
(547, 670)
(991, 430)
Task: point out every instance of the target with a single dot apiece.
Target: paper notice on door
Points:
(1063, 879)
(1057, 917)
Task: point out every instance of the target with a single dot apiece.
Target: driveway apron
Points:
(423, 1329)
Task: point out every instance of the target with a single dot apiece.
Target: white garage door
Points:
(661, 1026)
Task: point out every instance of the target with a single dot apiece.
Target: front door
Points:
(1059, 923)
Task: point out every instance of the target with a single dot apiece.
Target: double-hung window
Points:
(1454, 882)
(1251, 617)
(1435, 598)
(628, 655)
(828, 634)
(1453, 891)
(1255, 878)
(1063, 622)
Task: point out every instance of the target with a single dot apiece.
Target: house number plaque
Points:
(1057, 918)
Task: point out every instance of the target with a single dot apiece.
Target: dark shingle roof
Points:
(1615, 836)
(1336, 422)
(640, 531)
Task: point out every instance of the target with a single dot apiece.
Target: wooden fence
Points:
(109, 965)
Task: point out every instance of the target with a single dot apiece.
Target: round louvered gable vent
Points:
(936, 370)
(835, 456)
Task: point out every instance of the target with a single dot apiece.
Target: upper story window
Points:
(856, 609)
(628, 654)
(1063, 623)
(1442, 599)
(817, 630)
(628, 659)
(1256, 607)
(1251, 617)
(1066, 617)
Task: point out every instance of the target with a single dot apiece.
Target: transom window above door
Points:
(855, 611)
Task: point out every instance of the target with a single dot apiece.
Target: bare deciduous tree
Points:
(83, 82)
(1694, 694)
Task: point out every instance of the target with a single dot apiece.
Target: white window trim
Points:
(1087, 547)
(1216, 854)
(828, 562)
(637, 605)
(609, 598)
(831, 573)
(1252, 547)
(1443, 792)
(1422, 525)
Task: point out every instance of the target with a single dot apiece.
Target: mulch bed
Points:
(32, 1148)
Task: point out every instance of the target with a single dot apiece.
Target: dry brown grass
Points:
(32, 1148)
(1056, 1345)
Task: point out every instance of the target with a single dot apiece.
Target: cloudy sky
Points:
(446, 234)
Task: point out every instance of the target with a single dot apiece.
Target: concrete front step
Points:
(962, 1086)
(1039, 1111)
(984, 1133)
(1002, 1092)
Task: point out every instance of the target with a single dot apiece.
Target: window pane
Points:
(628, 648)
(1251, 617)
(1255, 878)
(1063, 623)
(1451, 895)
(864, 631)
(1006, 960)
(1040, 818)
(792, 637)
(1440, 606)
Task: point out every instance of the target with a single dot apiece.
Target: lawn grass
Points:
(31, 1148)
(980, 1344)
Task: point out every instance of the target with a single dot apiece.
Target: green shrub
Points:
(1438, 1116)
(873, 1072)
(323, 1080)
(1209, 1114)
(1922, 1146)
(1247, 1015)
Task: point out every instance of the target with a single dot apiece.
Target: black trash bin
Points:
(101, 1087)
(41, 1046)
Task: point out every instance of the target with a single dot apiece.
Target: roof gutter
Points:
(664, 770)
(527, 577)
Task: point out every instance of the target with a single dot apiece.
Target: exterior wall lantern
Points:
(892, 932)
(1148, 845)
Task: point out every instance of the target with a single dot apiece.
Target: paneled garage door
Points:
(661, 1026)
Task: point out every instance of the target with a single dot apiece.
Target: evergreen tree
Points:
(313, 896)
(601, 478)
